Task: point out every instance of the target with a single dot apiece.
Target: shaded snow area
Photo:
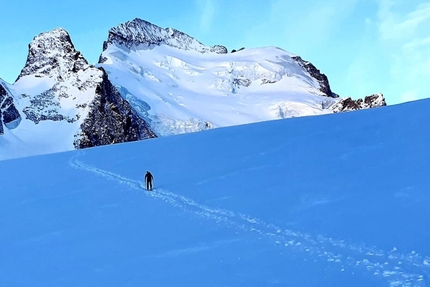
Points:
(179, 91)
(52, 114)
(337, 200)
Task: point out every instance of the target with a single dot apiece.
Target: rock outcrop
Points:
(9, 115)
(111, 119)
(53, 54)
(140, 32)
(320, 77)
(348, 104)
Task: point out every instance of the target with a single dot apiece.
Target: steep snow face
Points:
(67, 103)
(178, 89)
(140, 32)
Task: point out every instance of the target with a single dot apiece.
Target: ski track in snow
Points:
(409, 270)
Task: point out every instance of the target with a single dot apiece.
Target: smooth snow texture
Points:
(179, 91)
(338, 200)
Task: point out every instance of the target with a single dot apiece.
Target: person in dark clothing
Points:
(148, 180)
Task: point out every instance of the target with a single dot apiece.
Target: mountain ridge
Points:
(158, 82)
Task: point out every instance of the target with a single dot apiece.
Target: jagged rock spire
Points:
(52, 54)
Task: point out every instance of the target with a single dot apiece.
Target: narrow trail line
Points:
(411, 270)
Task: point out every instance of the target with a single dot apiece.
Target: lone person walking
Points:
(148, 180)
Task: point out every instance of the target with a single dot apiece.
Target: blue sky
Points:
(363, 46)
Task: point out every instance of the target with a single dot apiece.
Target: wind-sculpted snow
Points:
(411, 269)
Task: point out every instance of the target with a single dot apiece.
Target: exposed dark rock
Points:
(219, 49)
(105, 117)
(242, 82)
(348, 104)
(314, 72)
(44, 107)
(266, 81)
(140, 32)
(111, 120)
(234, 50)
(52, 53)
(9, 115)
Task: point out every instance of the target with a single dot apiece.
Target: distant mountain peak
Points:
(140, 32)
(52, 53)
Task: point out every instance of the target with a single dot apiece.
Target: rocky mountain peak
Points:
(140, 32)
(52, 54)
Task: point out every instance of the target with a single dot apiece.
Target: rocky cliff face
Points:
(348, 104)
(140, 32)
(9, 115)
(76, 93)
(53, 54)
(111, 119)
(320, 77)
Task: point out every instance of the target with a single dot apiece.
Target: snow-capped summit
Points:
(140, 32)
(66, 103)
(150, 82)
(177, 87)
(53, 54)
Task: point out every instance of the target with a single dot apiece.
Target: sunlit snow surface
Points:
(338, 200)
(180, 91)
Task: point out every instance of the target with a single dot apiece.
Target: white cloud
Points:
(409, 96)
(395, 26)
(207, 15)
(404, 36)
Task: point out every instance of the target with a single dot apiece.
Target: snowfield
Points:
(337, 200)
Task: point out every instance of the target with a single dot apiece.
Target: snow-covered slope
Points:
(65, 103)
(179, 85)
(338, 200)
